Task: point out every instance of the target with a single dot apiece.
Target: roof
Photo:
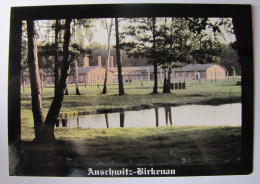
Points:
(191, 67)
(83, 70)
(132, 68)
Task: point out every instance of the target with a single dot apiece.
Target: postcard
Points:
(131, 90)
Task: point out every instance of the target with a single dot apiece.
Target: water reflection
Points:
(156, 117)
(122, 119)
(190, 115)
(78, 122)
(57, 123)
(106, 117)
(168, 115)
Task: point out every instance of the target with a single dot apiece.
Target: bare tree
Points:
(35, 79)
(56, 104)
(109, 31)
(44, 130)
(119, 65)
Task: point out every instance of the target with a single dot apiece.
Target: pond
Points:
(187, 115)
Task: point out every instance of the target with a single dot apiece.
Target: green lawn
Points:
(128, 147)
(169, 145)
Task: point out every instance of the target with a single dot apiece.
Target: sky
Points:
(101, 36)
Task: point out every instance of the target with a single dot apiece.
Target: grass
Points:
(161, 146)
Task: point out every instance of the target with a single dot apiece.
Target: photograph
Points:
(131, 90)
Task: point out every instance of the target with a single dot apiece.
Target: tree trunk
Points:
(41, 78)
(166, 85)
(66, 91)
(76, 78)
(169, 80)
(165, 81)
(119, 66)
(155, 87)
(35, 80)
(56, 104)
(109, 31)
(23, 82)
(105, 83)
(56, 60)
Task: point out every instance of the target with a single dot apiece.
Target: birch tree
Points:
(108, 27)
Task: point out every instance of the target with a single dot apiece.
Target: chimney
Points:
(86, 61)
(111, 64)
(99, 60)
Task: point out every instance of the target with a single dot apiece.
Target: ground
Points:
(160, 146)
(130, 147)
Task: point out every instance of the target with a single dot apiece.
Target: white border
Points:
(254, 178)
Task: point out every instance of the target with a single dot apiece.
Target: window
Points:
(97, 77)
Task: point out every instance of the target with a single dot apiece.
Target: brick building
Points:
(135, 73)
(92, 75)
(200, 72)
